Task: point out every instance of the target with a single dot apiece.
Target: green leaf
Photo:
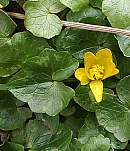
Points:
(82, 97)
(90, 135)
(34, 135)
(115, 143)
(96, 3)
(4, 3)
(3, 41)
(40, 69)
(117, 12)
(123, 65)
(12, 147)
(123, 89)
(11, 117)
(60, 141)
(40, 137)
(48, 97)
(87, 15)
(37, 135)
(63, 65)
(39, 127)
(7, 25)
(124, 44)
(97, 143)
(75, 5)
(91, 129)
(40, 21)
(114, 116)
(26, 45)
(111, 82)
(19, 136)
(15, 51)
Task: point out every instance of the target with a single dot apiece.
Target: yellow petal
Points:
(104, 58)
(89, 60)
(81, 76)
(110, 70)
(97, 89)
(104, 53)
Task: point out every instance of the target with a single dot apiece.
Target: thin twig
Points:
(83, 26)
(16, 15)
(96, 28)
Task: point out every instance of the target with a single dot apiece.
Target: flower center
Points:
(96, 72)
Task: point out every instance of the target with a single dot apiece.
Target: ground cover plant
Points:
(64, 88)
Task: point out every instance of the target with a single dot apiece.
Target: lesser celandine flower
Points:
(97, 68)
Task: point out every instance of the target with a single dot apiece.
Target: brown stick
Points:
(83, 26)
(16, 15)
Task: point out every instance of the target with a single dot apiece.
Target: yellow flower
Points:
(97, 68)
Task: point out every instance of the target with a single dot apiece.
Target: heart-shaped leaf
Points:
(117, 12)
(39, 18)
(48, 97)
